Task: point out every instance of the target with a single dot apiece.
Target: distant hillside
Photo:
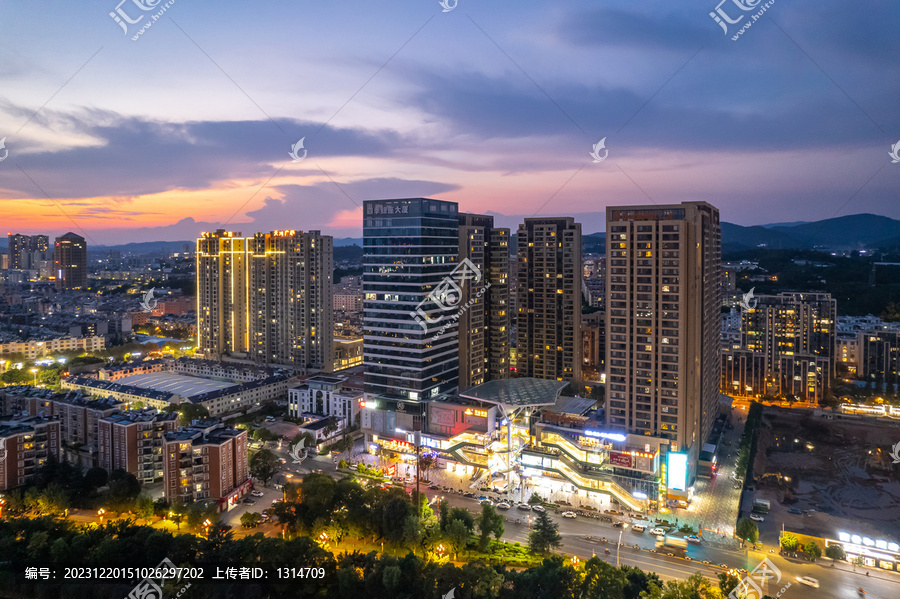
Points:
(857, 231)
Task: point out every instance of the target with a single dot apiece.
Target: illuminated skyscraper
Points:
(223, 294)
(291, 308)
(484, 326)
(70, 261)
(663, 305)
(548, 303)
(267, 297)
(410, 344)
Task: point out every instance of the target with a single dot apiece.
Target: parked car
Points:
(538, 508)
(657, 532)
(638, 528)
(248, 500)
(524, 507)
(503, 506)
(692, 539)
(757, 517)
(568, 514)
(486, 501)
(620, 525)
(469, 494)
(794, 510)
(808, 581)
(256, 493)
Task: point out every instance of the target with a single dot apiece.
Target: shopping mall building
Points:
(521, 434)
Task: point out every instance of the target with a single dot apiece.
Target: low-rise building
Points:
(133, 440)
(26, 443)
(206, 461)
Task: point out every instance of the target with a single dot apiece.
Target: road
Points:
(835, 582)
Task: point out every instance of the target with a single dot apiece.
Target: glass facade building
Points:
(411, 297)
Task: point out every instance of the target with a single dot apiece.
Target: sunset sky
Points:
(494, 105)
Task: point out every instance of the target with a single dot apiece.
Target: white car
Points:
(692, 539)
(503, 506)
(757, 517)
(657, 532)
(538, 508)
(808, 581)
(568, 514)
(524, 507)
(256, 493)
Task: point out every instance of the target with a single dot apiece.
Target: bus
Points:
(674, 545)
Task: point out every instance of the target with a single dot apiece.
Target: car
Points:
(469, 494)
(486, 501)
(638, 528)
(568, 514)
(539, 508)
(605, 518)
(794, 510)
(503, 506)
(657, 532)
(282, 460)
(692, 539)
(256, 493)
(620, 525)
(808, 581)
(248, 500)
(276, 501)
(757, 518)
(524, 507)
(433, 486)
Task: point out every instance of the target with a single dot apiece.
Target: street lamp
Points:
(100, 513)
(440, 550)
(206, 525)
(618, 546)
(34, 371)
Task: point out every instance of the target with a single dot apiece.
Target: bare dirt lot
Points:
(839, 472)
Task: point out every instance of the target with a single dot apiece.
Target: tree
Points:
(789, 542)
(728, 582)
(602, 579)
(188, 412)
(250, 519)
(95, 478)
(637, 581)
(812, 550)
(426, 462)
(535, 498)
(544, 535)
(490, 522)
(53, 500)
(457, 536)
(747, 530)
(143, 507)
(178, 514)
(124, 488)
(835, 552)
(263, 466)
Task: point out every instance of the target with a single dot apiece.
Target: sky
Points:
(124, 134)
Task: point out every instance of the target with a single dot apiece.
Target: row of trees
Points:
(48, 542)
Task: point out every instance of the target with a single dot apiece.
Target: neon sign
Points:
(479, 413)
(611, 436)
